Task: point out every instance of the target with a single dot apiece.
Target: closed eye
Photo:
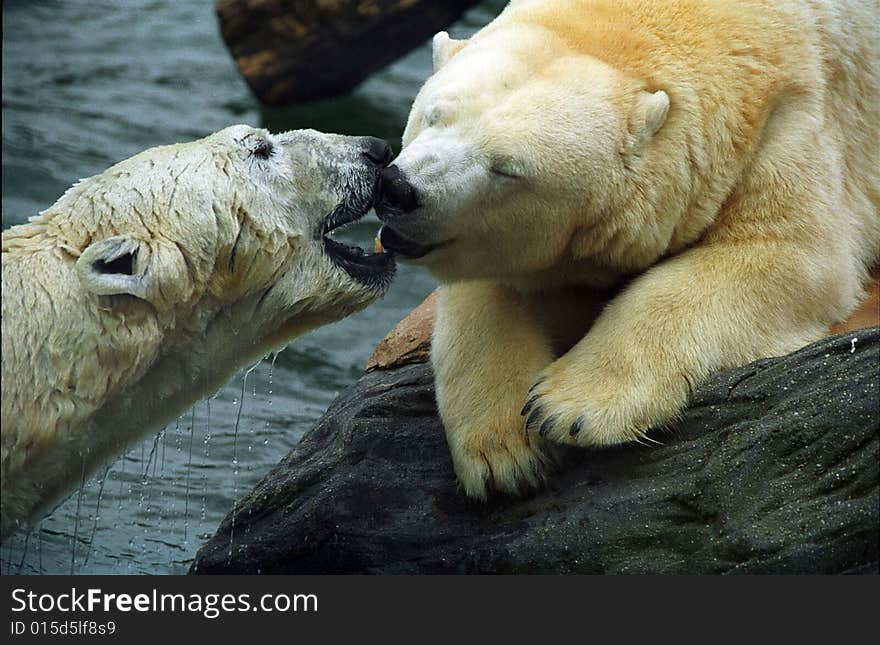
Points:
(504, 172)
(505, 166)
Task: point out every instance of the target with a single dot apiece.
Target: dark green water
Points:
(87, 83)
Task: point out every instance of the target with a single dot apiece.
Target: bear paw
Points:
(508, 462)
(567, 408)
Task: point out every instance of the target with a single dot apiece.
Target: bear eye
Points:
(504, 170)
(505, 166)
(263, 150)
(501, 172)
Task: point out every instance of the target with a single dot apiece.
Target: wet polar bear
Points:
(145, 287)
(621, 197)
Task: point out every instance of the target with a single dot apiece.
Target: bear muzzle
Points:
(397, 196)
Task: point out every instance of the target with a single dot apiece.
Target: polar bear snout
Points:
(357, 190)
(397, 201)
(377, 151)
(396, 194)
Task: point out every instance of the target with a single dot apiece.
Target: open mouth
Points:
(374, 270)
(393, 241)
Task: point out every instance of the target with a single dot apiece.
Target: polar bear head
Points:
(143, 288)
(239, 219)
(516, 148)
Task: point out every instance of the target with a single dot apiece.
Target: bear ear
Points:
(445, 48)
(109, 267)
(155, 271)
(649, 115)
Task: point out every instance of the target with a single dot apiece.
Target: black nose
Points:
(377, 151)
(397, 192)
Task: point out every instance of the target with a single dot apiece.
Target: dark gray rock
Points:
(774, 468)
(291, 51)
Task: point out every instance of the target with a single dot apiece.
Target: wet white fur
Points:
(229, 265)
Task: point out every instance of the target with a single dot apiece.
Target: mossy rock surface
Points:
(773, 469)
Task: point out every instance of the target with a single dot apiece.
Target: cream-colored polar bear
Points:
(145, 287)
(621, 197)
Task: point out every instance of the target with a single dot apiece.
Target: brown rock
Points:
(409, 341)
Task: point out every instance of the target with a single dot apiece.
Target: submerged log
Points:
(297, 50)
(773, 468)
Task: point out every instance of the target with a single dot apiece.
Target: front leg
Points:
(486, 352)
(711, 308)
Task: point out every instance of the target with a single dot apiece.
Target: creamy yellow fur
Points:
(742, 226)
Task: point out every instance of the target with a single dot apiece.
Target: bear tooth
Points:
(377, 245)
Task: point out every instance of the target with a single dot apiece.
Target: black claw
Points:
(537, 472)
(534, 417)
(489, 479)
(537, 383)
(577, 426)
(528, 406)
(548, 423)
